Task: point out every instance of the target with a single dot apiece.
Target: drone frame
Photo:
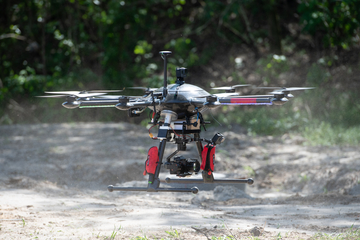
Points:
(178, 103)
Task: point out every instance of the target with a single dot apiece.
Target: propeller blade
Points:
(104, 91)
(74, 93)
(84, 92)
(144, 88)
(226, 94)
(279, 91)
(118, 96)
(255, 96)
(53, 96)
(84, 95)
(231, 87)
(222, 88)
(64, 92)
(276, 92)
(267, 87)
(286, 89)
(298, 88)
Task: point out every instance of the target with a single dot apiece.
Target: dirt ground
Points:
(54, 178)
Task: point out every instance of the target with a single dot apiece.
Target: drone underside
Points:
(179, 132)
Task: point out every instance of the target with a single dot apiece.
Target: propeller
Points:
(53, 96)
(80, 94)
(119, 96)
(147, 89)
(279, 90)
(227, 94)
(231, 88)
(254, 96)
(286, 91)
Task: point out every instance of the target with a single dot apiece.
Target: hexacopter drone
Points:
(177, 111)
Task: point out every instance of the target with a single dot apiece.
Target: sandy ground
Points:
(54, 177)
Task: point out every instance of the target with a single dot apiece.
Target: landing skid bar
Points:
(248, 181)
(194, 190)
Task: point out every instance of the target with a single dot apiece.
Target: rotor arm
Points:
(97, 103)
(126, 105)
(101, 103)
(246, 101)
(121, 103)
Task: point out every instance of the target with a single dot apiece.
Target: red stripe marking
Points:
(243, 100)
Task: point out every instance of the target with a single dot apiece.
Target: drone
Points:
(177, 110)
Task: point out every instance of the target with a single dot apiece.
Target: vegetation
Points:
(93, 44)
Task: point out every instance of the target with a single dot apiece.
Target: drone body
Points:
(177, 111)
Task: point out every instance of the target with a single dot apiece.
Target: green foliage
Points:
(264, 120)
(317, 75)
(334, 22)
(250, 171)
(304, 178)
(225, 237)
(114, 233)
(173, 233)
(29, 84)
(351, 233)
(140, 238)
(278, 236)
(185, 53)
(325, 134)
(142, 48)
(24, 82)
(271, 67)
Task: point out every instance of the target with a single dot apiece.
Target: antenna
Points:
(164, 55)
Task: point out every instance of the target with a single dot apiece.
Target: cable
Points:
(215, 119)
(150, 134)
(197, 110)
(175, 132)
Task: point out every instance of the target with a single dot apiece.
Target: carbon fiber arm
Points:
(246, 101)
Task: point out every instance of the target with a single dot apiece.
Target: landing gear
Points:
(170, 131)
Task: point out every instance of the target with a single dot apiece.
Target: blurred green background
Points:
(92, 44)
